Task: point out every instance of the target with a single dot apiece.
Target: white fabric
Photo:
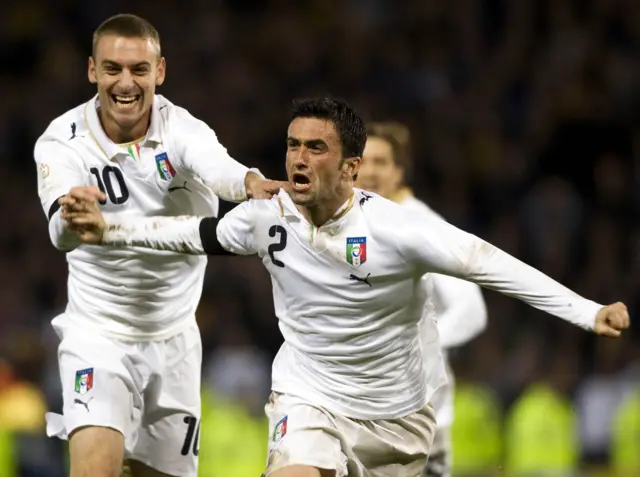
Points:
(127, 292)
(303, 433)
(460, 311)
(144, 390)
(353, 346)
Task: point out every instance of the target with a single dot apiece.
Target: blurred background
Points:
(526, 125)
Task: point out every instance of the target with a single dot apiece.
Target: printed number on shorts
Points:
(192, 437)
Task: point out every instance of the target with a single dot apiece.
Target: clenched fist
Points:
(612, 319)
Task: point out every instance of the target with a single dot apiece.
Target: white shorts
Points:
(149, 391)
(301, 433)
(439, 464)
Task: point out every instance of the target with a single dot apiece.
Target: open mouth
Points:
(125, 102)
(301, 182)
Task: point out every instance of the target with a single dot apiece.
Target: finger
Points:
(622, 320)
(608, 331)
(623, 314)
(72, 214)
(76, 207)
(626, 320)
(88, 194)
(84, 220)
(280, 185)
(66, 200)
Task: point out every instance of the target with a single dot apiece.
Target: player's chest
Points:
(328, 257)
(137, 179)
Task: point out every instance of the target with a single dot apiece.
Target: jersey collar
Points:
(106, 145)
(289, 210)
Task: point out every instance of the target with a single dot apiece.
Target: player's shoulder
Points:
(375, 205)
(175, 116)
(380, 211)
(393, 222)
(67, 126)
(415, 205)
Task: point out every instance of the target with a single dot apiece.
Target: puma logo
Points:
(85, 404)
(365, 198)
(171, 189)
(363, 280)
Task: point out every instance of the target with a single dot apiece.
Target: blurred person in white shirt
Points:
(460, 309)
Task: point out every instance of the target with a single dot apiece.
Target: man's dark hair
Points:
(128, 26)
(350, 126)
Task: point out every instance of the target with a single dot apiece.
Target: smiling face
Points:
(317, 172)
(126, 71)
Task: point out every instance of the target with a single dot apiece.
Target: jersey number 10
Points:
(105, 184)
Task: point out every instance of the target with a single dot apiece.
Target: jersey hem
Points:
(317, 399)
(71, 319)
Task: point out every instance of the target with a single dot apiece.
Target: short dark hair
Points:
(350, 126)
(128, 26)
(399, 137)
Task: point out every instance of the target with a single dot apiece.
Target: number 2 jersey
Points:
(177, 168)
(350, 295)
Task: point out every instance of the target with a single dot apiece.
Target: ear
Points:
(91, 71)
(351, 166)
(161, 71)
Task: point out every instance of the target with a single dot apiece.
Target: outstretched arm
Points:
(183, 234)
(443, 248)
(202, 155)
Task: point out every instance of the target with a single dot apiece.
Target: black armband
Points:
(209, 237)
(54, 207)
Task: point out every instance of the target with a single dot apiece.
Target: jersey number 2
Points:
(278, 246)
(105, 184)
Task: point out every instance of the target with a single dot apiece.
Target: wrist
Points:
(249, 179)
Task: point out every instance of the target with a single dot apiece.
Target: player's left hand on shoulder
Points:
(259, 188)
(612, 319)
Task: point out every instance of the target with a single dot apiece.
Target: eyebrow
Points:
(308, 142)
(115, 63)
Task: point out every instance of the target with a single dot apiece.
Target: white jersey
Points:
(126, 292)
(349, 295)
(460, 312)
(459, 320)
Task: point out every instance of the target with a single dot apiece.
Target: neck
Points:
(399, 195)
(320, 214)
(120, 135)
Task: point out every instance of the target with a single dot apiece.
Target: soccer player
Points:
(130, 352)
(351, 384)
(459, 306)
